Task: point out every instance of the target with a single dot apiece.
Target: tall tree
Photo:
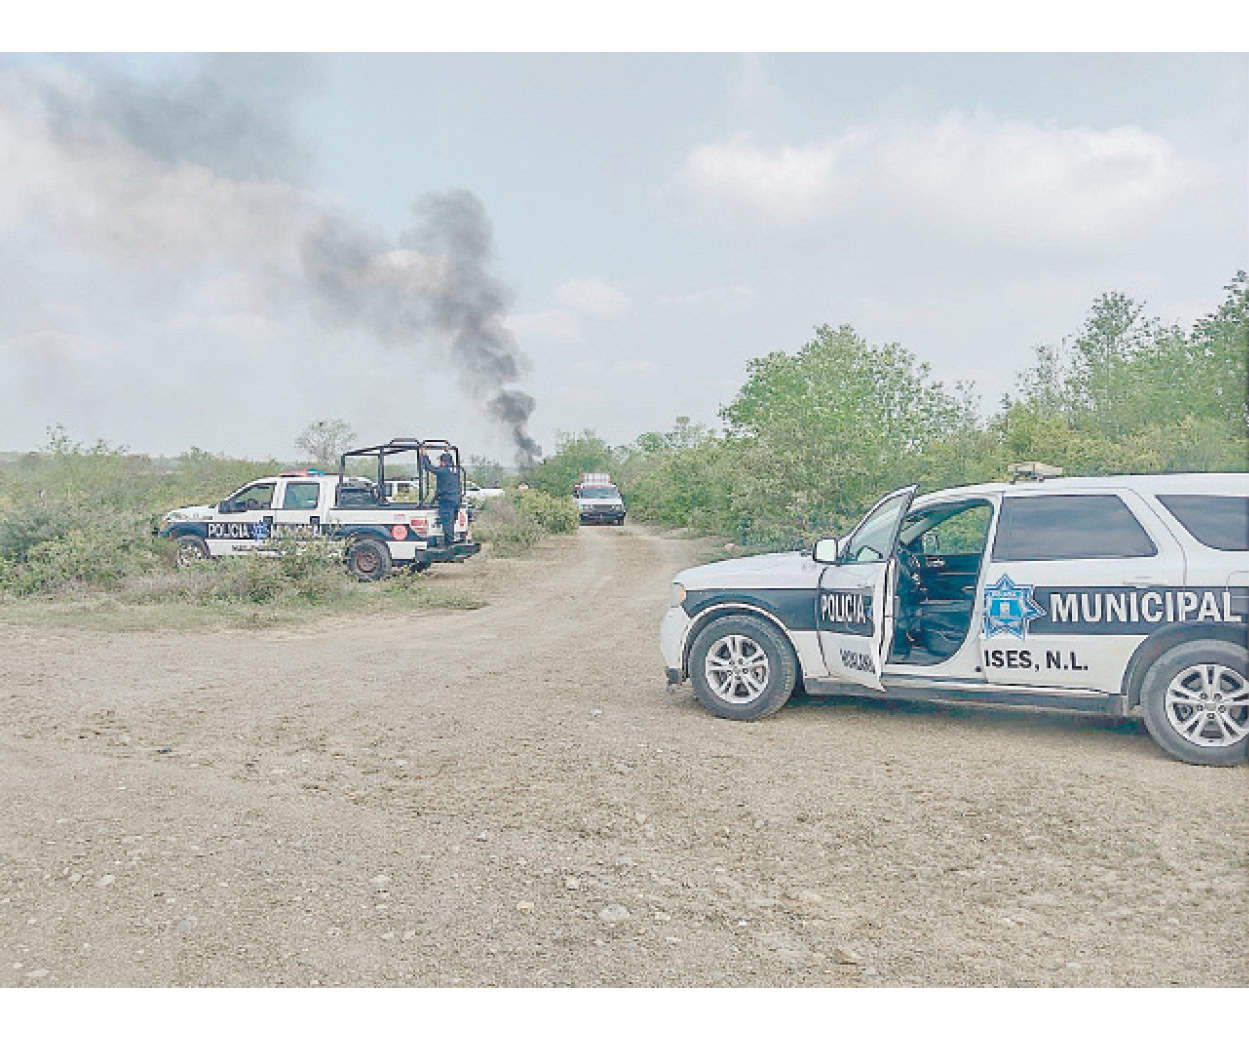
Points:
(324, 441)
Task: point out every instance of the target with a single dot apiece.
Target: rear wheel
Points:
(368, 560)
(1196, 702)
(742, 668)
(191, 547)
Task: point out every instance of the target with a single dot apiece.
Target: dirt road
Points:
(509, 797)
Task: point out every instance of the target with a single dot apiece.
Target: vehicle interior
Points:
(253, 496)
(940, 552)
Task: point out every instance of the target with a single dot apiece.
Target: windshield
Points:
(599, 492)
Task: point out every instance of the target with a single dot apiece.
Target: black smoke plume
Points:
(436, 283)
(198, 168)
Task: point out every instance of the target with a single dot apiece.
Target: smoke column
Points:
(187, 183)
(436, 283)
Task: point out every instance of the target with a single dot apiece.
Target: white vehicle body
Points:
(600, 504)
(1062, 593)
(477, 495)
(246, 521)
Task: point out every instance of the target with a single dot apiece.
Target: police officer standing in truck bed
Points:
(446, 493)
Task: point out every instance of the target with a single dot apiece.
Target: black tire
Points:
(620, 521)
(191, 547)
(368, 559)
(737, 697)
(1214, 676)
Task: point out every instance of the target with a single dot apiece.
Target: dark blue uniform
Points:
(446, 495)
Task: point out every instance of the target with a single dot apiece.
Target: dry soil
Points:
(510, 797)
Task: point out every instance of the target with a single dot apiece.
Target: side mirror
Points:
(825, 551)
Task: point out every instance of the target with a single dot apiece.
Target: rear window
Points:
(1069, 527)
(1219, 521)
(300, 496)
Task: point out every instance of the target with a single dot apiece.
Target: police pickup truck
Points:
(380, 534)
(1109, 594)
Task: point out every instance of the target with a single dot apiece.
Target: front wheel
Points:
(742, 668)
(1196, 702)
(191, 547)
(368, 560)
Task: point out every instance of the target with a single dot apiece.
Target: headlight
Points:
(678, 594)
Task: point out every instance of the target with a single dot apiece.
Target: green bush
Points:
(502, 526)
(556, 515)
(85, 555)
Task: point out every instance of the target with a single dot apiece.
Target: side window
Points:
(1069, 527)
(1219, 521)
(254, 496)
(874, 538)
(300, 496)
(962, 534)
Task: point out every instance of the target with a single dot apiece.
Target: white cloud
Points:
(632, 367)
(783, 185)
(580, 297)
(554, 325)
(974, 174)
(716, 297)
(593, 297)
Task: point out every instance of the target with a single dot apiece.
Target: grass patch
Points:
(514, 523)
(251, 592)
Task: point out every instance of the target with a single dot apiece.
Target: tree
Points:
(484, 471)
(324, 441)
(826, 431)
(574, 454)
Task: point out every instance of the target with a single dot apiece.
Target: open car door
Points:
(854, 603)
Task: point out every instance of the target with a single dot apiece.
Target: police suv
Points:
(380, 533)
(1106, 594)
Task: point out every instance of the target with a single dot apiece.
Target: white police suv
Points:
(1107, 594)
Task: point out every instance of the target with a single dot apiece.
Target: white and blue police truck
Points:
(380, 533)
(1120, 595)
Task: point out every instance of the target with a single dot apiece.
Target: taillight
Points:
(420, 525)
(461, 520)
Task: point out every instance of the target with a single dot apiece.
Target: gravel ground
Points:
(508, 797)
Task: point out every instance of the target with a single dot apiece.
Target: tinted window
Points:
(1069, 527)
(1219, 521)
(300, 496)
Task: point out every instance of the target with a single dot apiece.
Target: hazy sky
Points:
(657, 221)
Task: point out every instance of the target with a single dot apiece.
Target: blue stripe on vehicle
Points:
(185, 527)
(793, 608)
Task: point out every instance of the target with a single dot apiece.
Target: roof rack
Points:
(1032, 471)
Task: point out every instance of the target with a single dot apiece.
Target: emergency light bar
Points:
(1032, 471)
